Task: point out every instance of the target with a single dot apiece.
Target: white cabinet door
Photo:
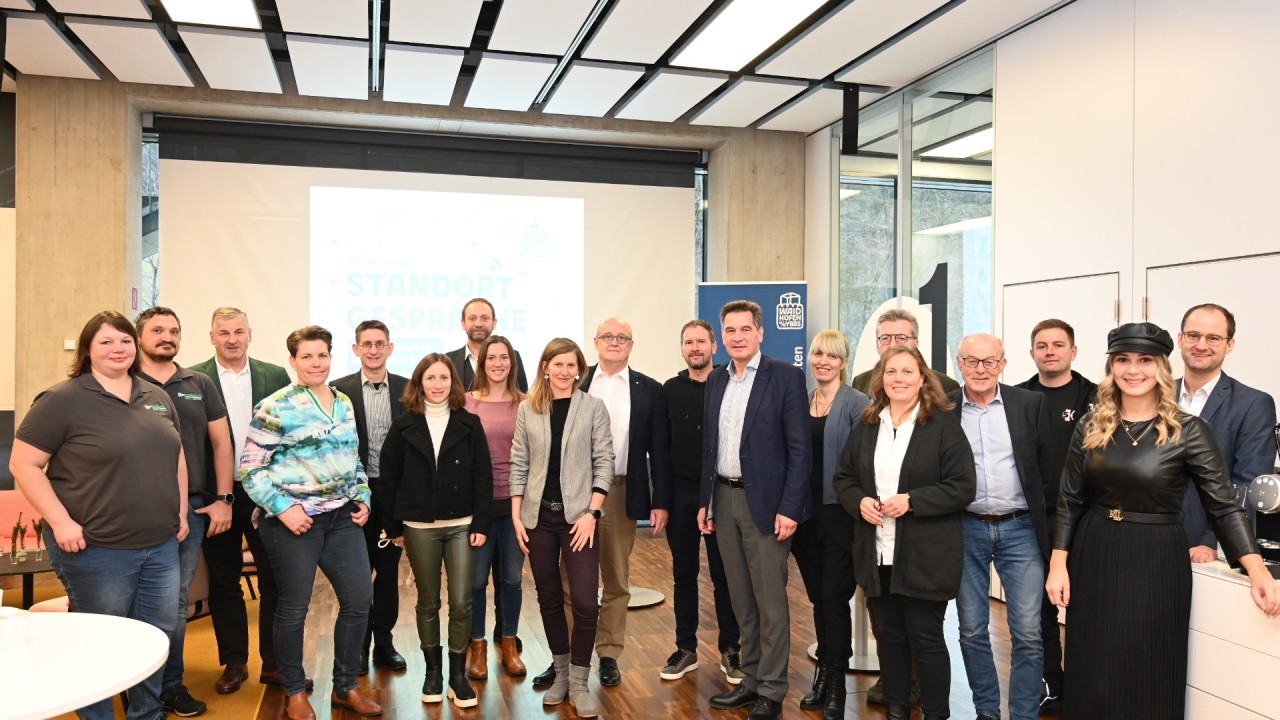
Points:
(1088, 303)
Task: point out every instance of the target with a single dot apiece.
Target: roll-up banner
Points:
(782, 305)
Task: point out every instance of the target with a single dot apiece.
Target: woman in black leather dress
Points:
(1119, 555)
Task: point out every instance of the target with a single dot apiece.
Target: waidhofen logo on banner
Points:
(790, 312)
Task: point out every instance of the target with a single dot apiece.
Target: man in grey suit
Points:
(375, 397)
(1242, 418)
(478, 321)
(242, 382)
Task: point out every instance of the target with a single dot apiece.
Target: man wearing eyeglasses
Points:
(899, 327)
(1006, 525)
(375, 398)
(478, 321)
(1242, 418)
(642, 482)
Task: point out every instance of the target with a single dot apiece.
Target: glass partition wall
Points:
(938, 265)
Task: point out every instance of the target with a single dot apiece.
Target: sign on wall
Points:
(783, 308)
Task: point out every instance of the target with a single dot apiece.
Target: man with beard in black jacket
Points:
(686, 394)
(1068, 396)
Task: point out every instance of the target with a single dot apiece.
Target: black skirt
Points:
(1126, 653)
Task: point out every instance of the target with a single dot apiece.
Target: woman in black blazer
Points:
(907, 474)
(435, 496)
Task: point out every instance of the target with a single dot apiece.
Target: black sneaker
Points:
(679, 664)
(1049, 701)
(178, 701)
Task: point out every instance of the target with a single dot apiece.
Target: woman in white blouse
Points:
(906, 476)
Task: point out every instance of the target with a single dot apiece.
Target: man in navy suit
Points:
(375, 398)
(642, 482)
(1242, 418)
(756, 460)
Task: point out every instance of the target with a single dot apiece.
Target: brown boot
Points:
(356, 703)
(511, 661)
(478, 660)
(297, 707)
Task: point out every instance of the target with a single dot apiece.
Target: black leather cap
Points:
(1145, 337)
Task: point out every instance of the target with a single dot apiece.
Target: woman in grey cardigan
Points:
(561, 471)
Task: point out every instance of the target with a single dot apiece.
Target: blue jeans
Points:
(501, 541)
(188, 558)
(334, 544)
(1012, 546)
(141, 584)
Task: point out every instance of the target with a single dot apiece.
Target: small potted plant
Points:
(38, 528)
(18, 543)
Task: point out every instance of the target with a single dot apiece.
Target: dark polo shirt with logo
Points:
(113, 464)
(197, 401)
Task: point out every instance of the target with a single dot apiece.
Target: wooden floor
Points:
(650, 639)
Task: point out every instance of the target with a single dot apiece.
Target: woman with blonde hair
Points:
(1120, 558)
(561, 471)
(907, 474)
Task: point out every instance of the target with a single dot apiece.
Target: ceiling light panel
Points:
(978, 143)
(742, 30)
(329, 67)
(814, 110)
(641, 31)
(335, 18)
(133, 52)
(507, 82)
(960, 30)
(232, 59)
(223, 13)
(846, 34)
(669, 94)
(590, 88)
(539, 26)
(434, 22)
(746, 101)
(17, 5)
(424, 76)
(105, 8)
(35, 47)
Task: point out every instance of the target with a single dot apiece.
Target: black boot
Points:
(547, 677)
(433, 686)
(459, 687)
(833, 708)
(899, 712)
(818, 695)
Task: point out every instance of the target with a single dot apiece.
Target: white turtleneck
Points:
(437, 415)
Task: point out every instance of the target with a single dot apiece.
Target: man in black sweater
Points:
(1068, 396)
(685, 394)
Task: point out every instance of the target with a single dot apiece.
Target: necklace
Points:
(820, 407)
(1126, 427)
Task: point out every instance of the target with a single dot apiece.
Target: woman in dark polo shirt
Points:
(114, 493)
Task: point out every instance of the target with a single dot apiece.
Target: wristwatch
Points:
(228, 498)
(597, 514)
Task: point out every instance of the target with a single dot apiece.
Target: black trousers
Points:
(838, 585)
(806, 548)
(683, 538)
(225, 559)
(1051, 636)
(385, 563)
(907, 626)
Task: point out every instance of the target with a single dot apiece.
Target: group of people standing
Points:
(904, 484)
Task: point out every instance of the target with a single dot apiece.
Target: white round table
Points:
(56, 662)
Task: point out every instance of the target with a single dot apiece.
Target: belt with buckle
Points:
(998, 518)
(553, 506)
(1120, 515)
(731, 482)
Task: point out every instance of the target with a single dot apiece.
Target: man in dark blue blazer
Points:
(756, 460)
(642, 482)
(1242, 418)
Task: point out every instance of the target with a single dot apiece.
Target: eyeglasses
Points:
(988, 363)
(610, 339)
(1191, 337)
(366, 345)
(894, 339)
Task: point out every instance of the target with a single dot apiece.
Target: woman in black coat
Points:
(906, 475)
(435, 496)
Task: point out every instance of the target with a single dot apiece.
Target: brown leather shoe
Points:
(232, 677)
(272, 677)
(511, 661)
(297, 707)
(356, 703)
(478, 660)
